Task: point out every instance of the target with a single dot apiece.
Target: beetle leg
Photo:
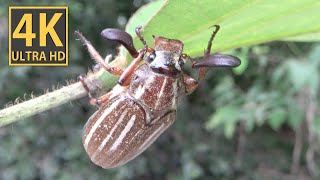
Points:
(93, 101)
(202, 70)
(208, 50)
(116, 91)
(96, 56)
(102, 99)
(190, 84)
(125, 77)
(138, 32)
(84, 84)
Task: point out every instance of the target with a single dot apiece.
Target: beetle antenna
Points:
(208, 50)
(121, 37)
(138, 32)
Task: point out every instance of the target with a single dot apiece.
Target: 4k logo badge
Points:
(38, 36)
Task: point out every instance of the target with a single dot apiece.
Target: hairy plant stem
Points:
(42, 103)
(100, 79)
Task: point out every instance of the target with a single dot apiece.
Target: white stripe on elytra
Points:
(151, 137)
(117, 90)
(108, 137)
(98, 122)
(139, 92)
(123, 133)
(132, 139)
(175, 93)
(156, 133)
(141, 89)
(160, 93)
(145, 144)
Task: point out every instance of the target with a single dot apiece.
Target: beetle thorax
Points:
(155, 91)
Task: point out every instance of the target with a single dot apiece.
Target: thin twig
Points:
(58, 97)
(299, 136)
(41, 103)
(311, 110)
(297, 149)
(242, 139)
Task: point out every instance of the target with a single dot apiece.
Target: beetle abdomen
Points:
(118, 132)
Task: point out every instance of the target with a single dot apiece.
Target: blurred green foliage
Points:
(271, 98)
(239, 124)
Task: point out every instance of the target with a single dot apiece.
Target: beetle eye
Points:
(151, 57)
(181, 62)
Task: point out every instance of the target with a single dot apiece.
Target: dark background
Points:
(48, 145)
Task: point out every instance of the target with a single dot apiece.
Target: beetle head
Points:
(166, 57)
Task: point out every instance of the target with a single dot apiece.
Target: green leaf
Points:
(277, 118)
(229, 129)
(243, 23)
(302, 74)
(305, 37)
(143, 15)
(295, 116)
(227, 116)
(316, 126)
(222, 115)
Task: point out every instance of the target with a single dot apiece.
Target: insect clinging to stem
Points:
(144, 102)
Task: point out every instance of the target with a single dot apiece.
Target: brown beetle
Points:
(143, 104)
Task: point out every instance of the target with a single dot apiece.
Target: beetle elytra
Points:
(144, 102)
